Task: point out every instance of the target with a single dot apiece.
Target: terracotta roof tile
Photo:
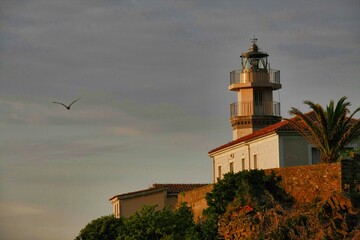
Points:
(277, 127)
(280, 126)
(177, 187)
(170, 187)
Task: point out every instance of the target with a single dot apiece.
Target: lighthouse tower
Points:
(254, 84)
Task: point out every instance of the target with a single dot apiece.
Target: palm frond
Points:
(330, 129)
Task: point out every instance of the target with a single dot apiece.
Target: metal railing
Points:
(238, 109)
(271, 75)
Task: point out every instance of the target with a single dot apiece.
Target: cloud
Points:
(126, 131)
(314, 51)
(43, 112)
(57, 149)
(19, 209)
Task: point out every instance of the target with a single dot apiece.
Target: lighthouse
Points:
(254, 84)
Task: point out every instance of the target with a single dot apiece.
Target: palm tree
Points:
(330, 129)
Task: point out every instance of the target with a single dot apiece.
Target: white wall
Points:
(266, 150)
(272, 151)
(296, 150)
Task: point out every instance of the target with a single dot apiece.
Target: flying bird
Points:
(67, 107)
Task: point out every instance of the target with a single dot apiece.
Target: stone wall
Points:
(350, 173)
(304, 183)
(196, 200)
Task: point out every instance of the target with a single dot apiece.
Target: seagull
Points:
(67, 107)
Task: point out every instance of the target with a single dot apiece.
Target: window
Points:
(315, 155)
(117, 209)
(231, 167)
(258, 102)
(255, 162)
(243, 164)
(258, 98)
(219, 171)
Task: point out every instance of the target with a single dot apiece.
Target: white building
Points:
(277, 145)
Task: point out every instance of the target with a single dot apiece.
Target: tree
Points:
(103, 228)
(330, 129)
(150, 223)
(246, 189)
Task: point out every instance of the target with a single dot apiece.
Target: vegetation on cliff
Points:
(334, 218)
(251, 190)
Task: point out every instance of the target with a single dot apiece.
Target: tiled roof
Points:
(177, 187)
(280, 126)
(274, 128)
(156, 187)
(136, 193)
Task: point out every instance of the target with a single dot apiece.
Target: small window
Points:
(117, 209)
(258, 98)
(255, 162)
(315, 155)
(219, 171)
(231, 167)
(243, 164)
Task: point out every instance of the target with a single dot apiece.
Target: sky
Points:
(153, 80)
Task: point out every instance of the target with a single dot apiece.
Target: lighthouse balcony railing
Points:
(241, 109)
(262, 75)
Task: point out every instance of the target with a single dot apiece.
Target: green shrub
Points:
(246, 188)
(150, 223)
(104, 228)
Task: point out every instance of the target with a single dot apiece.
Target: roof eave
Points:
(225, 149)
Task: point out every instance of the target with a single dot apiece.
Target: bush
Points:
(149, 223)
(246, 188)
(252, 189)
(104, 228)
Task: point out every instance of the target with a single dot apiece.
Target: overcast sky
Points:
(153, 78)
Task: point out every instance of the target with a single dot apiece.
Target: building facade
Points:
(275, 146)
(161, 195)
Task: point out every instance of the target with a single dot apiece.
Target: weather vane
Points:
(253, 40)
